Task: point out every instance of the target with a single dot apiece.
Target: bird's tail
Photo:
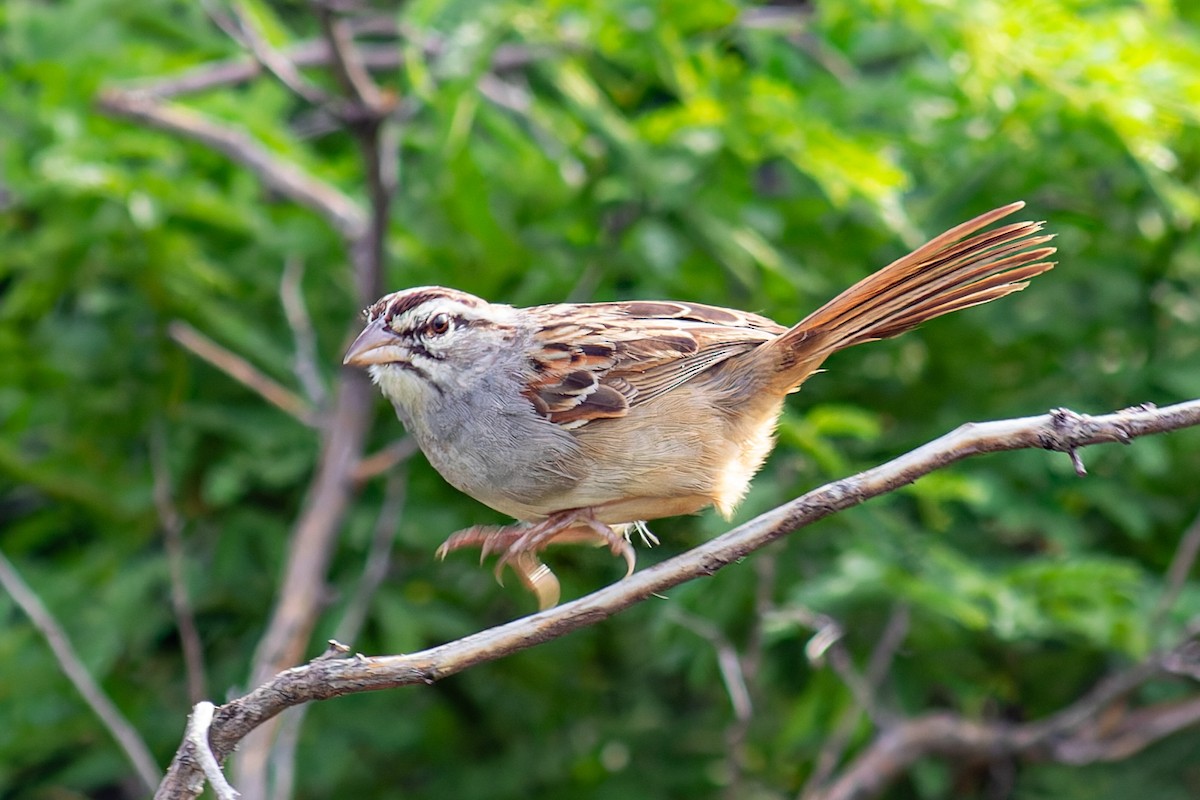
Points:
(961, 268)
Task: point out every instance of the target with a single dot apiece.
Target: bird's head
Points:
(422, 343)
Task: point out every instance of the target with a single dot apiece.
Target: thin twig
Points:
(347, 63)
(317, 53)
(72, 666)
(379, 558)
(1182, 562)
(311, 544)
(241, 28)
(727, 660)
(865, 692)
(304, 363)
(1130, 733)
(385, 460)
(750, 663)
(729, 663)
(889, 643)
(197, 736)
(172, 525)
(243, 372)
(1069, 736)
(1059, 430)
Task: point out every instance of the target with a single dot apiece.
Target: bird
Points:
(583, 420)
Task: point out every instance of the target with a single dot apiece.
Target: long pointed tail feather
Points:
(958, 269)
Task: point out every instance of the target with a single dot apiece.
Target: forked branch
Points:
(1059, 430)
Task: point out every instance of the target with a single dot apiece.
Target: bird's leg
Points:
(519, 545)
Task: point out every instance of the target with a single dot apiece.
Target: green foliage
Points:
(669, 150)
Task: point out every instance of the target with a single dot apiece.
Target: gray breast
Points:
(498, 451)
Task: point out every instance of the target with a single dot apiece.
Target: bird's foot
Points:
(519, 545)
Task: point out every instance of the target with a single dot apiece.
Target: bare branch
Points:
(890, 641)
(304, 363)
(197, 737)
(1059, 430)
(314, 53)
(1132, 732)
(727, 660)
(284, 177)
(865, 693)
(378, 463)
(172, 525)
(1069, 735)
(241, 28)
(72, 666)
(378, 560)
(311, 544)
(1182, 562)
(243, 372)
(347, 63)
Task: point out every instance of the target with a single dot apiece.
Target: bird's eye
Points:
(438, 324)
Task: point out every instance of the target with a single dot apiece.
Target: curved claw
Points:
(630, 558)
(617, 543)
(538, 579)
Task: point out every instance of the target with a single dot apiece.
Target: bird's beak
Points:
(375, 345)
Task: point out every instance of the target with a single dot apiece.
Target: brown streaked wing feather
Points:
(596, 361)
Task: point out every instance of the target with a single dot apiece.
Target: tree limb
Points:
(365, 109)
(172, 525)
(73, 667)
(1059, 430)
(1067, 736)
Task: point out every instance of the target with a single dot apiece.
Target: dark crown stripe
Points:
(403, 302)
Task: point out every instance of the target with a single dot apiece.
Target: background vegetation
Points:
(709, 150)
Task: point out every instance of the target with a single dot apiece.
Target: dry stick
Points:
(1067, 736)
(197, 736)
(730, 665)
(72, 666)
(1060, 430)
(382, 461)
(310, 547)
(347, 64)
(378, 560)
(284, 177)
(864, 692)
(727, 660)
(826, 648)
(313, 53)
(1181, 564)
(304, 363)
(172, 525)
(344, 425)
(243, 31)
(749, 662)
(243, 372)
(1132, 733)
(893, 636)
